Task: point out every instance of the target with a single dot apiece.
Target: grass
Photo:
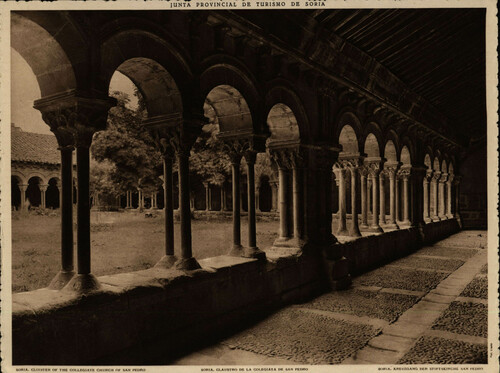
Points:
(121, 242)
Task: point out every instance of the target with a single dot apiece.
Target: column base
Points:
(166, 262)
(405, 223)
(392, 226)
(342, 232)
(354, 232)
(375, 229)
(443, 217)
(427, 220)
(450, 216)
(254, 252)
(363, 227)
(83, 283)
(61, 279)
(188, 264)
(435, 218)
(236, 250)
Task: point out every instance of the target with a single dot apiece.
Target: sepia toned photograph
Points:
(212, 188)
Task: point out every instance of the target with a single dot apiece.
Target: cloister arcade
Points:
(384, 179)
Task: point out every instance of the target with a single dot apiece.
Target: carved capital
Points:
(404, 173)
(373, 168)
(351, 163)
(450, 178)
(428, 175)
(250, 156)
(236, 149)
(74, 118)
(436, 175)
(443, 178)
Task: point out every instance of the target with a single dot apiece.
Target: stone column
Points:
(442, 196)
(374, 169)
(169, 259)
(397, 198)
(341, 215)
(426, 185)
(369, 208)
(257, 197)
(382, 197)
(43, 189)
(283, 198)
(364, 199)
(434, 184)
(252, 251)
(236, 250)
(391, 172)
(186, 261)
(274, 196)
(207, 196)
(67, 261)
(449, 214)
(405, 176)
(353, 165)
(298, 198)
(22, 188)
(222, 197)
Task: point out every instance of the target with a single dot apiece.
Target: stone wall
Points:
(473, 192)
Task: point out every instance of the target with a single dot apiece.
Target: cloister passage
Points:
(366, 149)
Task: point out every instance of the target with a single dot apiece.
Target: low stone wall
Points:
(137, 317)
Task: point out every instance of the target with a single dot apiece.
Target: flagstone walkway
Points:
(429, 307)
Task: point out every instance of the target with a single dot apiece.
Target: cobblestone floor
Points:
(427, 308)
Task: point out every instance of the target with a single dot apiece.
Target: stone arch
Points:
(278, 93)
(282, 124)
(348, 133)
(42, 178)
(230, 108)
(152, 64)
(373, 140)
(390, 153)
(436, 164)
(50, 63)
(226, 75)
(158, 88)
(33, 192)
(405, 157)
(52, 198)
(21, 178)
(371, 146)
(444, 167)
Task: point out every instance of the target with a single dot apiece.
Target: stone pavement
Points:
(429, 307)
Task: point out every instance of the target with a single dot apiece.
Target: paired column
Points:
(426, 185)
(374, 170)
(382, 197)
(434, 185)
(207, 196)
(456, 180)
(298, 198)
(340, 172)
(391, 172)
(354, 229)
(442, 196)
(404, 174)
(257, 197)
(364, 198)
(274, 196)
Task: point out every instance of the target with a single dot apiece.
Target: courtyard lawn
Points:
(121, 242)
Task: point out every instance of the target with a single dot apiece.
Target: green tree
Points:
(129, 147)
